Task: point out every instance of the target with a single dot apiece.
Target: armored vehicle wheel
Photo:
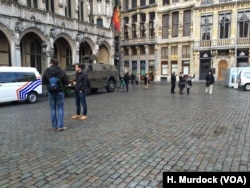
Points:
(111, 86)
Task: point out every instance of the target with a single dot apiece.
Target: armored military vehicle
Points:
(99, 76)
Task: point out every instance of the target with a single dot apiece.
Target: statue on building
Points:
(88, 6)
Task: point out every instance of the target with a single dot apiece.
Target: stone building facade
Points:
(32, 31)
(189, 36)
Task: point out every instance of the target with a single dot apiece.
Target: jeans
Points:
(81, 100)
(56, 102)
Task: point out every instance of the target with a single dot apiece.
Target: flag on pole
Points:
(116, 16)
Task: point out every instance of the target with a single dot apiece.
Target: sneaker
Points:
(76, 117)
(62, 129)
(83, 117)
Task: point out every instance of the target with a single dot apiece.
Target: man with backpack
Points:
(55, 78)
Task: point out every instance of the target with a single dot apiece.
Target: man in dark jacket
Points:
(209, 82)
(56, 96)
(126, 79)
(173, 82)
(80, 83)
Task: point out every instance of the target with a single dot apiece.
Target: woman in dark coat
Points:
(182, 83)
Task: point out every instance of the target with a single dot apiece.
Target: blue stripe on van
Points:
(22, 94)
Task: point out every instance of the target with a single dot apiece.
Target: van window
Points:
(10, 77)
(247, 74)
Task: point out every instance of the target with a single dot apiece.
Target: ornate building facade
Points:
(32, 31)
(189, 36)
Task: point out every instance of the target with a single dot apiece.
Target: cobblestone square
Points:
(128, 140)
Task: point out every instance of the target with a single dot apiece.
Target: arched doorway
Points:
(62, 52)
(31, 51)
(222, 70)
(85, 53)
(103, 55)
(4, 50)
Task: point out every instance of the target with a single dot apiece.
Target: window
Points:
(164, 52)
(174, 66)
(134, 20)
(243, 24)
(81, 11)
(142, 67)
(164, 67)
(35, 54)
(165, 26)
(207, 2)
(151, 49)
(142, 50)
(68, 9)
(224, 25)
(151, 1)
(175, 1)
(206, 27)
(133, 51)
(185, 66)
(165, 2)
(50, 5)
(186, 23)
(142, 26)
(186, 51)
(151, 24)
(175, 24)
(142, 2)
(134, 67)
(32, 3)
(126, 20)
(134, 4)
(68, 56)
(99, 22)
(125, 4)
(126, 51)
(174, 50)
(10, 77)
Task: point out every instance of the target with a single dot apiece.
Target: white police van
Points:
(244, 79)
(20, 84)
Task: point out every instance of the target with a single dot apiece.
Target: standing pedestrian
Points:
(55, 79)
(146, 81)
(80, 86)
(126, 79)
(182, 83)
(173, 82)
(209, 82)
(189, 82)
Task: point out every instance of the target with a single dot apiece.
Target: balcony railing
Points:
(222, 43)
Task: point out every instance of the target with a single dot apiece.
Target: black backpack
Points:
(189, 82)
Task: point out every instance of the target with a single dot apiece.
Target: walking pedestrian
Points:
(173, 82)
(80, 86)
(182, 83)
(55, 79)
(126, 79)
(209, 82)
(146, 81)
(189, 82)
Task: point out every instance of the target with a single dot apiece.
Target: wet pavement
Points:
(128, 140)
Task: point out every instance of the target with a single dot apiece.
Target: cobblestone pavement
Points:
(128, 140)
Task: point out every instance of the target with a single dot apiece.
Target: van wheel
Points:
(111, 86)
(32, 97)
(247, 87)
